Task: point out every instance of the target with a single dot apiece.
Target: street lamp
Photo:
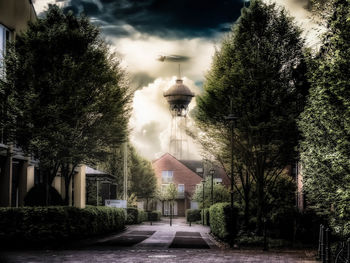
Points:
(231, 118)
(203, 182)
(212, 171)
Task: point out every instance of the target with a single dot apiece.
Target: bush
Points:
(132, 215)
(193, 215)
(221, 223)
(142, 216)
(206, 216)
(34, 225)
(154, 215)
(37, 196)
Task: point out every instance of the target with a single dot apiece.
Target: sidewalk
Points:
(161, 235)
(155, 243)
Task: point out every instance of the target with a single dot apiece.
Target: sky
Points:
(140, 31)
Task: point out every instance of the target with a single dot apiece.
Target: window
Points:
(167, 176)
(4, 38)
(181, 188)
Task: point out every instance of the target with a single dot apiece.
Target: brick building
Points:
(186, 175)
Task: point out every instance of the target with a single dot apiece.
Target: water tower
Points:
(178, 96)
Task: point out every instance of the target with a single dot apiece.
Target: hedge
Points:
(136, 216)
(55, 224)
(154, 215)
(142, 216)
(193, 215)
(221, 223)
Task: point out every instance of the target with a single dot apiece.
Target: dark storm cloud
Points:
(141, 79)
(165, 18)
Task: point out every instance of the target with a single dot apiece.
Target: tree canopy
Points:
(325, 124)
(260, 69)
(141, 177)
(220, 194)
(71, 93)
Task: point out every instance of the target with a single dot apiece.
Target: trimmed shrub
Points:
(132, 215)
(193, 215)
(136, 216)
(41, 225)
(154, 216)
(221, 223)
(142, 216)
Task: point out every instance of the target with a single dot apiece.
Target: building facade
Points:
(18, 172)
(186, 175)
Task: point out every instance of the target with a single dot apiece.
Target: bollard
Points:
(323, 254)
(319, 254)
(328, 246)
(348, 250)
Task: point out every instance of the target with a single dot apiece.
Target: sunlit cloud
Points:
(151, 118)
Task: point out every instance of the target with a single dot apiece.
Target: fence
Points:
(325, 254)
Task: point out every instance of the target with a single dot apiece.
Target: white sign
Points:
(115, 203)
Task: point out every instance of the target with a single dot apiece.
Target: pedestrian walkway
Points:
(162, 235)
(155, 243)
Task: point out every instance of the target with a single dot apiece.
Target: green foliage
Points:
(142, 216)
(71, 93)
(132, 200)
(154, 215)
(171, 192)
(136, 216)
(193, 215)
(325, 125)
(141, 176)
(281, 208)
(44, 225)
(221, 222)
(132, 215)
(260, 68)
(220, 194)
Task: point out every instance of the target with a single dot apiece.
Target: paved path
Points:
(145, 243)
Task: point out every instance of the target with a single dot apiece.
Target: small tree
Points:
(220, 194)
(171, 193)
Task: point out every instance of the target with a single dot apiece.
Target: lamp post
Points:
(212, 171)
(231, 118)
(203, 182)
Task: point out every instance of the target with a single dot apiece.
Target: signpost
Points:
(115, 203)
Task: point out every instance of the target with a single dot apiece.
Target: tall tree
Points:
(143, 180)
(260, 69)
(72, 93)
(141, 176)
(325, 124)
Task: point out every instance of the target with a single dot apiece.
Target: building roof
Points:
(193, 165)
(97, 174)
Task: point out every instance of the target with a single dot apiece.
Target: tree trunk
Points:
(261, 205)
(246, 208)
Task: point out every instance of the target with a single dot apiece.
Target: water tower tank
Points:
(178, 97)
